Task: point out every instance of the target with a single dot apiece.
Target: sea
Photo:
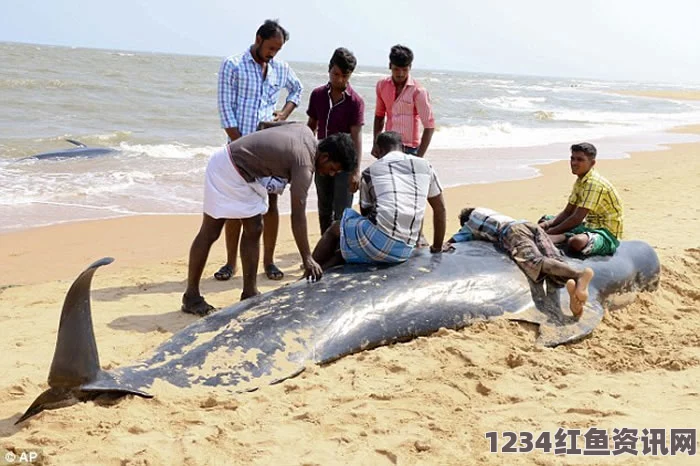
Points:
(159, 112)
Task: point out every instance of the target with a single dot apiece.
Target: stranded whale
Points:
(274, 336)
(81, 150)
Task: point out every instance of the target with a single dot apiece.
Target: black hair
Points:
(401, 56)
(585, 147)
(340, 148)
(465, 214)
(270, 29)
(389, 141)
(343, 59)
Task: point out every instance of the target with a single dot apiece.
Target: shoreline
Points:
(472, 166)
(97, 235)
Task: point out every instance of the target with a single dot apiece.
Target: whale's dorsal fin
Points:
(75, 360)
(76, 364)
(77, 143)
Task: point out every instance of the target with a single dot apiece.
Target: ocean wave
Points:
(368, 74)
(45, 84)
(504, 134)
(542, 115)
(168, 151)
(510, 103)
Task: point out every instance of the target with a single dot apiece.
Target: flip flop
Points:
(273, 273)
(224, 273)
(198, 307)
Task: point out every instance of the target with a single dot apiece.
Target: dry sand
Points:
(429, 401)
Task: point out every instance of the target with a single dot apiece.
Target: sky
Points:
(642, 40)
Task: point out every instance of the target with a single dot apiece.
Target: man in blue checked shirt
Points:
(249, 87)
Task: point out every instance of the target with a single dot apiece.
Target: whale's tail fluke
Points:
(76, 362)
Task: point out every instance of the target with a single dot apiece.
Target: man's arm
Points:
(425, 113)
(578, 216)
(313, 124)
(232, 133)
(378, 127)
(425, 141)
(283, 114)
(379, 116)
(226, 99)
(462, 235)
(561, 216)
(295, 88)
(356, 135)
(439, 221)
(299, 228)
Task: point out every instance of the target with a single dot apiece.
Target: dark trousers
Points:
(410, 150)
(334, 197)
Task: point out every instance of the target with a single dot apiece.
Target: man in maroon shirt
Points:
(337, 108)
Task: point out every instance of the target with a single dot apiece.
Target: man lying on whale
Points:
(530, 247)
(393, 193)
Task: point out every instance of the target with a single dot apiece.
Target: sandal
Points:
(224, 273)
(197, 306)
(273, 273)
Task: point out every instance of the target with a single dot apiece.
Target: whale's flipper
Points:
(75, 361)
(77, 143)
(557, 325)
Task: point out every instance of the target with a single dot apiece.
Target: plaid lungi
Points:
(361, 242)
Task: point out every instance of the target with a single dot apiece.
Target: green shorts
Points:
(600, 241)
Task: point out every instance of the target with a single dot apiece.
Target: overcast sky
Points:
(639, 40)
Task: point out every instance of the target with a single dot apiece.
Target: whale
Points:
(81, 150)
(354, 307)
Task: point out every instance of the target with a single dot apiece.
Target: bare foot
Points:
(582, 284)
(575, 305)
(578, 292)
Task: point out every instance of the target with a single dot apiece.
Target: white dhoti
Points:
(227, 194)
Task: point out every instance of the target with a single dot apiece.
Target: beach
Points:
(427, 401)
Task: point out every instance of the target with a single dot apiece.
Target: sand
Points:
(428, 401)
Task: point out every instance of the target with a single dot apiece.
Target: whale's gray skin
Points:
(274, 336)
(80, 151)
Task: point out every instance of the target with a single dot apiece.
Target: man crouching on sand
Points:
(237, 182)
(530, 247)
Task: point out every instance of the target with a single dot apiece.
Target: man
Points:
(591, 222)
(337, 108)
(393, 192)
(249, 87)
(402, 101)
(235, 188)
(531, 249)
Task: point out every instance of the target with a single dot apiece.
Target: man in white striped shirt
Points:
(393, 194)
